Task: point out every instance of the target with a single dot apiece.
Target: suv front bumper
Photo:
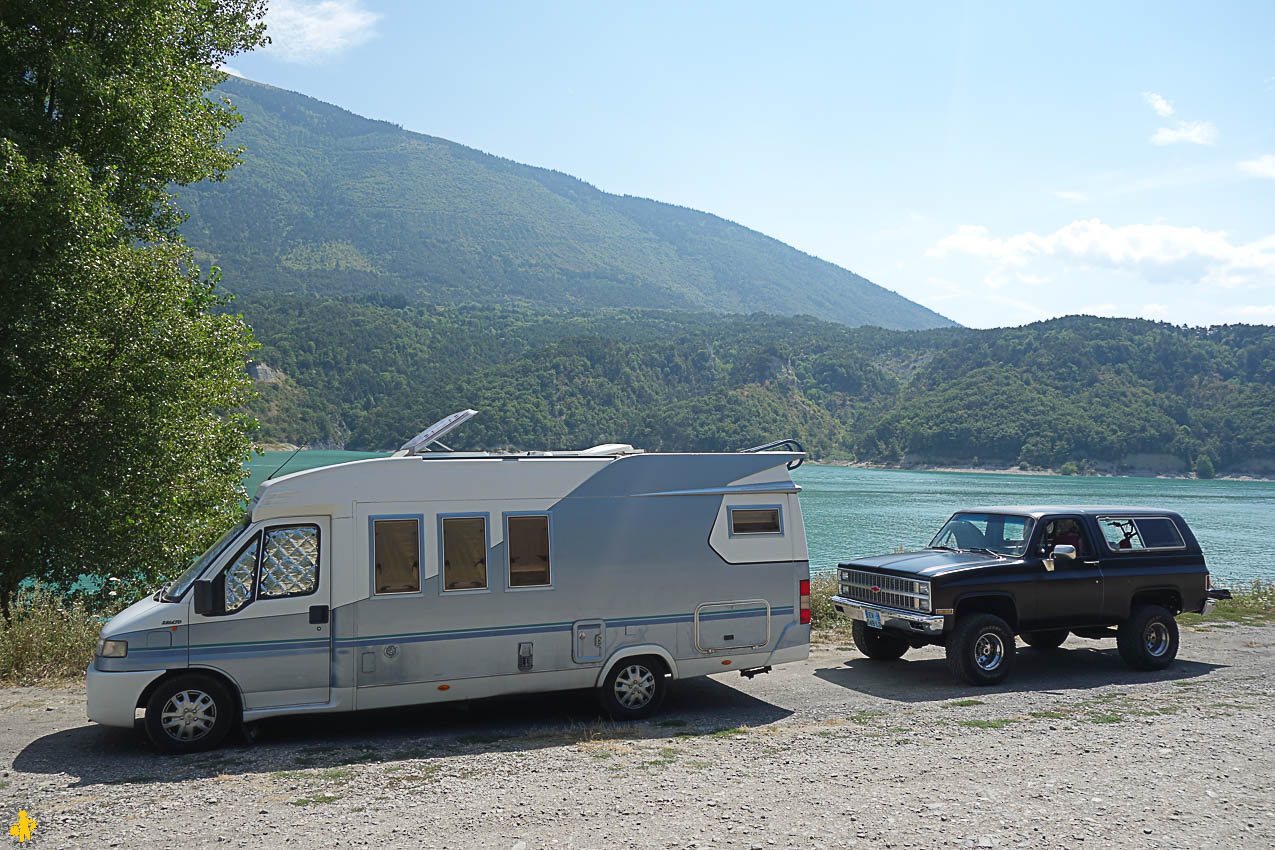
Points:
(891, 618)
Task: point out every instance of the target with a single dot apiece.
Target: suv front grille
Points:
(883, 590)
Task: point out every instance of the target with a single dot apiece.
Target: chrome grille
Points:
(886, 591)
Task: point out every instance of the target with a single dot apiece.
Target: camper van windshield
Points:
(175, 590)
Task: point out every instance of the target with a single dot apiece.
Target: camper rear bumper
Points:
(112, 697)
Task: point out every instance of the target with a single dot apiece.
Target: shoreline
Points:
(1014, 470)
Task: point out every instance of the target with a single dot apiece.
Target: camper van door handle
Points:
(318, 614)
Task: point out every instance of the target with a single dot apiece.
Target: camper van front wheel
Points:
(189, 713)
(634, 689)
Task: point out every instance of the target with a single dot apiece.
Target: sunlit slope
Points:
(330, 203)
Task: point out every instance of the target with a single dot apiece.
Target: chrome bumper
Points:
(891, 618)
(1207, 608)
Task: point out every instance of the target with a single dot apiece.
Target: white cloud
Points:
(234, 72)
(1078, 197)
(1263, 166)
(1195, 132)
(311, 32)
(1156, 253)
(1161, 106)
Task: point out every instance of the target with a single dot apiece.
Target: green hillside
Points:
(1110, 394)
(330, 203)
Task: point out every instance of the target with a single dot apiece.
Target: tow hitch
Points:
(754, 671)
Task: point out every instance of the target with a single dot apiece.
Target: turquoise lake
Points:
(854, 512)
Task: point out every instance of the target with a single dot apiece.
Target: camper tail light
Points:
(112, 648)
(804, 600)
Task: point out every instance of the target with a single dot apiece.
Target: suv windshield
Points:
(175, 590)
(1003, 534)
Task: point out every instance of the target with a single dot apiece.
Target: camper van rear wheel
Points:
(634, 689)
(189, 713)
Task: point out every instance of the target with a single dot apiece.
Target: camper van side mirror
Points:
(205, 599)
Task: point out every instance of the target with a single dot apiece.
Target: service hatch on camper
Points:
(436, 575)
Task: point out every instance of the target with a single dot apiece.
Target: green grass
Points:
(1253, 605)
(1049, 715)
(47, 637)
(998, 723)
(337, 774)
(728, 733)
(1106, 718)
(963, 703)
(864, 717)
(315, 800)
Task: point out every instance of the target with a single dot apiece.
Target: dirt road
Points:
(1074, 751)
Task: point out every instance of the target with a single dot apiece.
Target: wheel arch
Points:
(1167, 597)
(1002, 605)
(641, 650)
(231, 687)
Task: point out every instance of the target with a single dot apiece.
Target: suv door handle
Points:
(1092, 563)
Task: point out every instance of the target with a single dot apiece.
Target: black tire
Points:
(981, 651)
(877, 643)
(1148, 640)
(201, 712)
(1044, 639)
(634, 689)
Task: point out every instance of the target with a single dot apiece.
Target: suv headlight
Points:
(112, 648)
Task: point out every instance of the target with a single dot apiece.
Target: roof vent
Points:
(607, 449)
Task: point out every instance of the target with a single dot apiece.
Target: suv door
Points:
(275, 638)
(1071, 594)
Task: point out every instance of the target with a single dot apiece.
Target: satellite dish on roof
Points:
(437, 431)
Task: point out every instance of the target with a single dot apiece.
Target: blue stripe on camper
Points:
(307, 645)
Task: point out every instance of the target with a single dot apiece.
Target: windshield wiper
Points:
(991, 552)
(944, 548)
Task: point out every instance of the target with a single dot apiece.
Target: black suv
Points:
(1035, 572)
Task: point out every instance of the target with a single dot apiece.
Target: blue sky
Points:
(999, 163)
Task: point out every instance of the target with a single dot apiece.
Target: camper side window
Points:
(527, 539)
(464, 553)
(761, 519)
(290, 562)
(239, 577)
(396, 553)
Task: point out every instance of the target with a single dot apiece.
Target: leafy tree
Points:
(116, 454)
(1204, 467)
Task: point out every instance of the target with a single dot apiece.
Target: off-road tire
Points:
(980, 651)
(877, 644)
(1044, 639)
(635, 688)
(1148, 640)
(190, 713)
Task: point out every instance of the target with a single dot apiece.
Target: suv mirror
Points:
(1065, 550)
(205, 600)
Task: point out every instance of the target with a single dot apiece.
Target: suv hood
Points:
(928, 562)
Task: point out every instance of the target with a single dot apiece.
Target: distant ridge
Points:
(330, 203)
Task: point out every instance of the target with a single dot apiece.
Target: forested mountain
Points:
(329, 203)
(1109, 394)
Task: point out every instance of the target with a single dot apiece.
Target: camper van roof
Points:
(604, 450)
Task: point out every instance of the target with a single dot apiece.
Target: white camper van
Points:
(435, 575)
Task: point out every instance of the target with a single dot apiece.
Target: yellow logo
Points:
(23, 828)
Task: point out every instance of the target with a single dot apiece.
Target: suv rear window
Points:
(1132, 533)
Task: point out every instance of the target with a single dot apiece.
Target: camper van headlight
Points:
(112, 648)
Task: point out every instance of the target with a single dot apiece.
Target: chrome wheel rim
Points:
(188, 715)
(989, 651)
(1157, 639)
(634, 686)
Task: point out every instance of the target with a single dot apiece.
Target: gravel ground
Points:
(1073, 751)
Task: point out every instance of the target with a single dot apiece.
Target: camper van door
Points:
(274, 639)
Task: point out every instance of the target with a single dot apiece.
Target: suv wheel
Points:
(981, 649)
(1148, 640)
(1044, 639)
(877, 643)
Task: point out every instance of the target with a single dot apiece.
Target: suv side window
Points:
(1145, 532)
(1066, 531)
